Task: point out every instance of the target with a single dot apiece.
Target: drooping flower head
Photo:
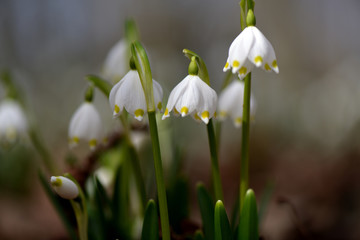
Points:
(231, 102)
(116, 62)
(86, 124)
(128, 93)
(13, 123)
(251, 48)
(64, 187)
(192, 96)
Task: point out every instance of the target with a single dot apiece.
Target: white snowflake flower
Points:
(231, 102)
(129, 94)
(86, 124)
(192, 96)
(251, 48)
(13, 123)
(117, 62)
(64, 187)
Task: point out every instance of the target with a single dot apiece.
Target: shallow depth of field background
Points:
(305, 139)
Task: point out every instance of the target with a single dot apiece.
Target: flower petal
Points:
(85, 124)
(239, 49)
(64, 187)
(158, 95)
(116, 63)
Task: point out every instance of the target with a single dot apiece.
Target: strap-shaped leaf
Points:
(206, 205)
(150, 230)
(103, 204)
(178, 202)
(198, 235)
(222, 225)
(103, 85)
(248, 227)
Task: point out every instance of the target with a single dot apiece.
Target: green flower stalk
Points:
(143, 67)
(194, 96)
(67, 187)
(249, 49)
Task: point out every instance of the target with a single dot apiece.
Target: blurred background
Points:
(305, 139)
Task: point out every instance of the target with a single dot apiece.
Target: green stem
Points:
(80, 219)
(58, 206)
(80, 210)
(135, 164)
(214, 162)
(159, 177)
(245, 137)
(242, 14)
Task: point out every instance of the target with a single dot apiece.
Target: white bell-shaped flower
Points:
(192, 96)
(231, 102)
(251, 48)
(64, 187)
(86, 124)
(129, 94)
(13, 123)
(116, 63)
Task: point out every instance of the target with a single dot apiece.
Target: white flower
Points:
(251, 48)
(86, 124)
(64, 187)
(129, 94)
(13, 122)
(231, 102)
(192, 96)
(117, 62)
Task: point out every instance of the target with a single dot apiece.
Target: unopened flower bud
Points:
(64, 187)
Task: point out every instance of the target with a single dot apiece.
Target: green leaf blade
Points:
(248, 227)
(222, 225)
(150, 230)
(206, 205)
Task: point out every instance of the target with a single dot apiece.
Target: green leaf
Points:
(248, 227)
(59, 208)
(120, 202)
(150, 230)
(206, 205)
(235, 213)
(198, 235)
(102, 204)
(178, 202)
(103, 85)
(143, 67)
(222, 225)
(203, 72)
